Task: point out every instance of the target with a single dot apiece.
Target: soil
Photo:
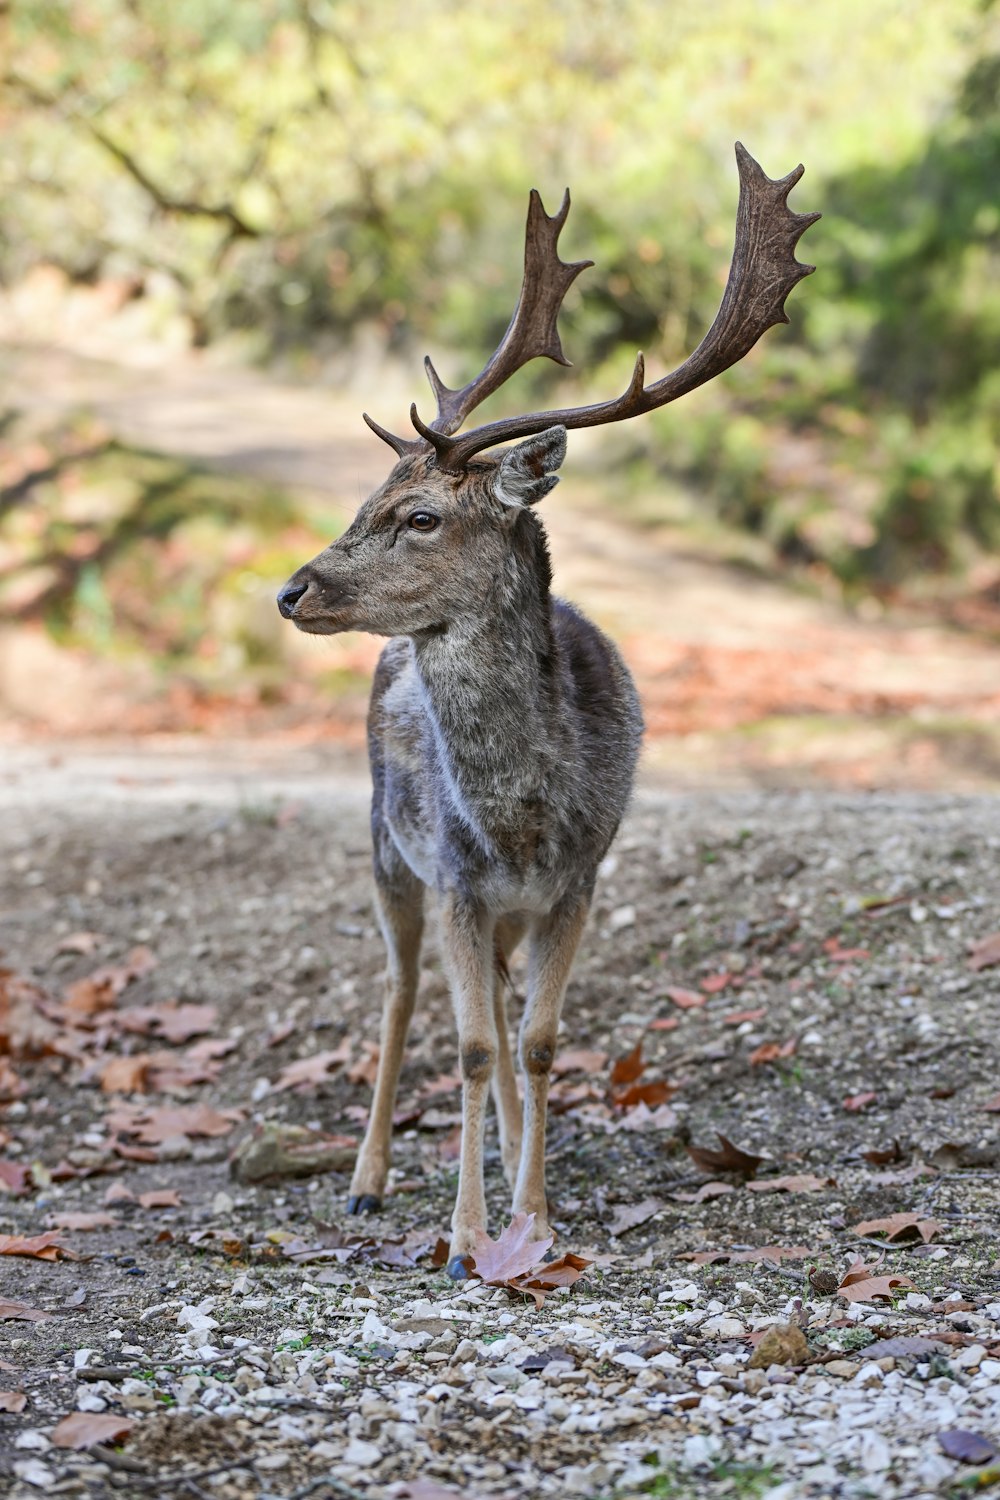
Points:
(840, 922)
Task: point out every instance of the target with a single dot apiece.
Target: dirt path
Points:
(744, 678)
(795, 967)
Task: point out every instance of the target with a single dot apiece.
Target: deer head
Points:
(435, 538)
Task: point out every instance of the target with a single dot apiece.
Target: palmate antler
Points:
(763, 272)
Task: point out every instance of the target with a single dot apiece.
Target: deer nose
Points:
(289, 596)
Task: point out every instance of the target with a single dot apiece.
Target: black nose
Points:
(289, 597)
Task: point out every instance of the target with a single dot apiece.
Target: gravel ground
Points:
(825, 939)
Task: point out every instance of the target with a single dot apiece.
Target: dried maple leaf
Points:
(96, 1220)
(155, 1125)
(651, 1094)
(900, 1227)
(100, 990)
(773, 1051)
(686, 999)
(13, 1401)
(16, 1178)
(986, 953)
(804, 1182)
(860, 1284)
(854, 1103)
(628, 1068)
(557, 1273)
(21, 1312)
(514, 1254)
(37, 1247)
(365, 1070)
(882, 1158)
(730, 1159)
(85, 1429)
(125, 1075)
(630, 1215)
(776, 1253)
(169, 1021)
(160, 1198)
(307, 1072)
(578, 1060)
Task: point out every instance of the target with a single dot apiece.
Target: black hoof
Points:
(458, 1268)
(364, 1203)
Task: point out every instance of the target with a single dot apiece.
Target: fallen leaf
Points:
(37, 1247)
(83, 943)
(11, 1086)
(125, 1075)
(663, 1023)
(100, 990)
(777, 1253)
(882, 1158)
(365, 1070)
(900, 1227)
(854, 1103)
(21, 1312)
(716, 982)
(498, 1261)
(986, 953)
(549, 1278)
(966, 1447)
(805, 1182)
(96, 1220)
(628, 1068)
(307, 1072)
(170, 1021)
(730, 1159)
(16, 1178)
(992, 1106)
(160, 1198)
(772, 1051)
(641, 1117)
(650, 1094)
(906, 1346)
(577, 1060)
(706, 1191)
(85, 1429)
(737, 1017)
(686, 999)
(860, 1284)
(13, 1401)
(154, 1125)
(630, 1215)
(117, 1192)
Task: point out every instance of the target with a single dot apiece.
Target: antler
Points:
(763, 272)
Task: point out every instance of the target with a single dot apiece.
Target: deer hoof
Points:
(364, 1203)
(458, 1268)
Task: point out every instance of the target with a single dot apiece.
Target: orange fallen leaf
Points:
(860, 1284)
(855, 1103)
(628, 1068)
(716, 982)
(578, 1060)
(13, 1401)
(160, 1198)
(686, 999)
(737, 1017)
(900, 1227)
(663, 1023)
(557, 1273)
(85, 1429)
(307, 1072)
(805, 1182)
(730, 1159)
(772, 1051)
(365, 1070)
(155, 1125)
(169, 1021)
(125, 1075)
(650, 1094)
(986, 953)
(38, 1246)
(96, 1220)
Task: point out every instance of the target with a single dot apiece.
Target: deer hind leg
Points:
(468, 950)
(399, 903)
(554, 942)
(509, 931)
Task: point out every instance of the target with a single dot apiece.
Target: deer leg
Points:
(399, 903)
(554, 941)
(468, 950)
(509, 931)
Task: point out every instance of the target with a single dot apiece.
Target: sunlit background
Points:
(228, 226)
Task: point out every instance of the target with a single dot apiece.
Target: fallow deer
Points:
(504, 728)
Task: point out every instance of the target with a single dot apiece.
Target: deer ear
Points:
(524, 476)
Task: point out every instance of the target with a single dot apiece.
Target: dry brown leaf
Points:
(13, 1401)
(986, 953)
(992, 1106)
(777, 1253)
(514, 1254)
(628, 1068)
(716, 983)
(882, 1158)
(85, 1429)
(557, 1273)
(773, 1051)
(578, 1060)
(640, 1117)
(737, 1017)
(365, 1070)
(307, 1072)
(686, 999)
(860, 1284)
(125, 1075)
(11, 1086)
(730, 1159)
(650, 1094)
(37, 1247)
(21, 1312)
(154, 1125)
(16, 1178)
(83, 943)
(160, 1198)
(96, 1220)
(901, 1227)
(100, 990)
(855, 1103)
(169, 1021)
(630, 1215)
(804, 1182)
(706, 1191)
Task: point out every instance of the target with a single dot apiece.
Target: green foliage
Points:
(308, 176)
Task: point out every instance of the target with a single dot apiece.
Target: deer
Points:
(504, 727)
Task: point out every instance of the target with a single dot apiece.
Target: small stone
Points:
(622, 917)
(174, 1148)
(363, 1454)
(784, 1344)
(844, 1369)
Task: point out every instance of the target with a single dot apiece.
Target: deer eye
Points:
(424, 520)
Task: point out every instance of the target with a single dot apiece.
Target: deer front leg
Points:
(468, 949)
(399, 903)
(509, 931)
(554, 943)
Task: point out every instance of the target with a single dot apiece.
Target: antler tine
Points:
(400, 446)
(532, 332)
(762, 274)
